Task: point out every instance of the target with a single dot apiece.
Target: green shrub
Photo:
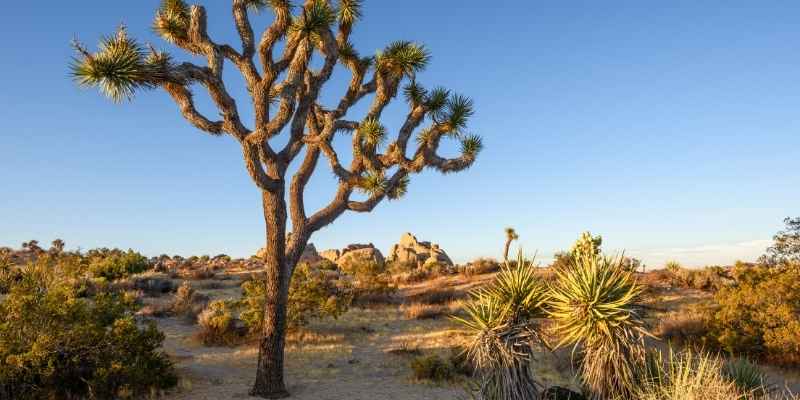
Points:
(371, 283)
(54, 344)
(432, 368)
(312, 294)
(759, 316)
(117, 264)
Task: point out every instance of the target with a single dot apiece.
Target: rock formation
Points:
(359, 253)
(354, 253)
(411, 251)
(309, 255)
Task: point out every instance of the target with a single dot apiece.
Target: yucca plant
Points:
(746, 375)
(593, 308)
(503, 320)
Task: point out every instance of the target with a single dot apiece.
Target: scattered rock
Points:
(560, 393)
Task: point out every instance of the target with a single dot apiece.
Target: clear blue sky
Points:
(671, 128)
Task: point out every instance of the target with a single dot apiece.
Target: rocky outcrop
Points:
(412, 251)
(309, 255)
(330, 255)
(354, 254)
(359, 253)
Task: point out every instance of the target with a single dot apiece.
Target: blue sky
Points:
(670, 128)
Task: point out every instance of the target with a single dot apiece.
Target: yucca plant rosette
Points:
(593, 308)
(504, 324)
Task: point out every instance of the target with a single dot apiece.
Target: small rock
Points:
(560, 393)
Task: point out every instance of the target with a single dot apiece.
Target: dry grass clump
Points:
(437, 295)
(429, 311)
(686, 327)
(686, 376)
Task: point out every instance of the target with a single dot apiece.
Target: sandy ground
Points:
(355, 357)
(363, 355)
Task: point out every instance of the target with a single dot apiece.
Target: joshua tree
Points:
(285, 91)
(57, 246)
(511, 235)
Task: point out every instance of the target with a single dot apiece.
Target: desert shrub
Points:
(432, 368)
(9, 274)
(482, 266)
(759, 316)
(371, 284)
(326, 265)
(593, 307)
(116, 264)
(216, 325)
(312, 294)
(54, 344)
(203, 273)
(187, 302)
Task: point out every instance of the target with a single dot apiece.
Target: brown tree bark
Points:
(269, 375)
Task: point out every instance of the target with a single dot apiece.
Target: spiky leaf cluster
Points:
(471, 145)
(315, 18)
(399, 189)
(414, 93)
(349, 12)
(119, 67)
(172, 21)
(372, 132)
(373, 183)
(402, 58)
(436, 102)
(277, 5)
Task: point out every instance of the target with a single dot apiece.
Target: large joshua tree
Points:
(285, 90)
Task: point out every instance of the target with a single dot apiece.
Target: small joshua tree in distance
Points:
(285, 91)
(511, 235)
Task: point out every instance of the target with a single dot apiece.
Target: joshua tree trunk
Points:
(507, 247)
(269, 376)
